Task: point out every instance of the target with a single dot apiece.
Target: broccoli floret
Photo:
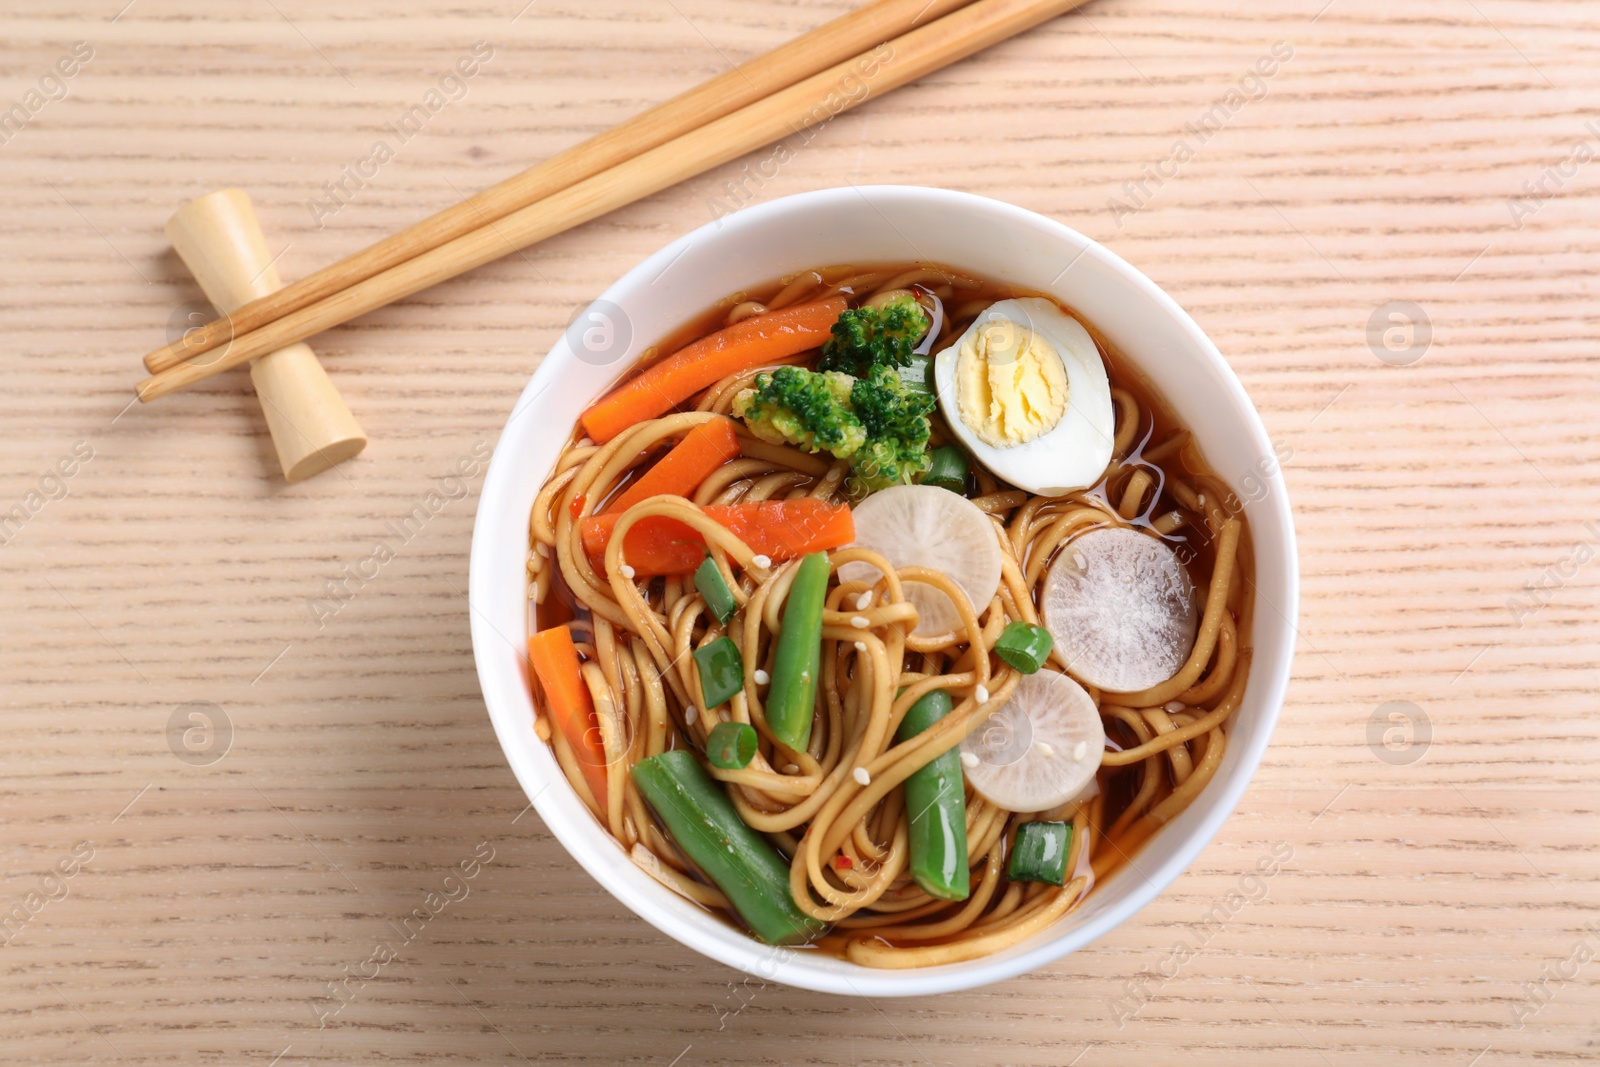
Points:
(896, 421)
(792, 406)
(868, 337)
(875, 422)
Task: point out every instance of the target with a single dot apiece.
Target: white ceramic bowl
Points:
(864, 225)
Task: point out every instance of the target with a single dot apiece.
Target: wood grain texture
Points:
(1427, 904)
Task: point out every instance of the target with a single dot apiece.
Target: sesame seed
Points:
(761, 561)
(864, 601)
(968, 760)
(1080, 750)
(861, 776)
(584, 442)
(982, 694)
(1079, 559)
(859, 622)
(1200, 498)
(690, 714)
(791, 768)
(627, 571)
(762, 677)
(542, 548)
(1172, 706)
(861, 646)
(1045, 750)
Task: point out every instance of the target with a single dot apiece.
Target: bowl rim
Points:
(1273, 522)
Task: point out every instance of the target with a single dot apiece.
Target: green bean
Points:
(947, 468)
(731, 745)
(1039, 853)
(918, 375)
(714, 588)
(937, 806)
(792, 698)
(739, 861)
(721, 671)
(1024, 647)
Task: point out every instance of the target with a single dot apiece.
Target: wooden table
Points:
(1434, 907)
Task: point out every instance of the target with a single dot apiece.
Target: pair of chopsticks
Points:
(788, 90)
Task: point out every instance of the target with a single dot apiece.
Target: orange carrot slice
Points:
(777, 529)
(680, 472)
(555, 662)
(747, 343)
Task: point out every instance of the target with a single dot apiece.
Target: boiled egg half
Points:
(1023, 388)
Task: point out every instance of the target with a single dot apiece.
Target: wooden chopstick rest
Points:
(219, 239)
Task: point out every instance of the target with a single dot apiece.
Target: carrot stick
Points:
(747, 343)
(555, 662)
(777, 529)
(680, 472)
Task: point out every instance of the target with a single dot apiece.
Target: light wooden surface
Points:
(1424, 901)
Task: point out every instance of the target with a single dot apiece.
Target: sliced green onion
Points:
(719, 598)
(1039, 853)
(1024, 647)
(739, 861)
(798, 661)
(731, 745)
(937, 807)
(721, 670)
(948, 469)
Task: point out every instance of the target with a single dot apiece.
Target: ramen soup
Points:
(885, 610)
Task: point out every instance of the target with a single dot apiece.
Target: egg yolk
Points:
(1011, 386)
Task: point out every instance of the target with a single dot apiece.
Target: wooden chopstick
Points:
(802, 57)
(932, 46)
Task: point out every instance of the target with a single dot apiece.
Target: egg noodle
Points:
(843, 832)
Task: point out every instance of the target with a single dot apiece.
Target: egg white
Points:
(1072, 454)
